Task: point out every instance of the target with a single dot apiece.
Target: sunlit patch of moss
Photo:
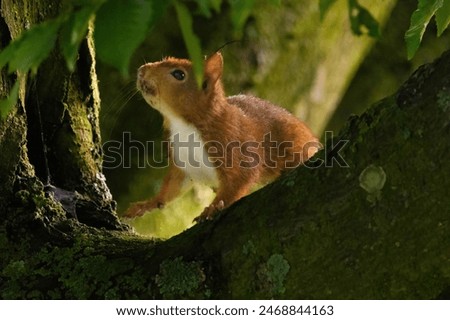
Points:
(180, 279)
(175, 217)
(272, 274)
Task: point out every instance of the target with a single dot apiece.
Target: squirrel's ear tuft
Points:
(213, 68)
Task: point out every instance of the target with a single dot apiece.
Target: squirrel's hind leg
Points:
(226, 195)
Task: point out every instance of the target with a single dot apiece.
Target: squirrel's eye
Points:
(178, 74)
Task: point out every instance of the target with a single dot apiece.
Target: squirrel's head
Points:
(170, 86)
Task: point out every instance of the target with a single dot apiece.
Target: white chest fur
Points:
(189, 153)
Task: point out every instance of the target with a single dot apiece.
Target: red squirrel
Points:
(228, 143)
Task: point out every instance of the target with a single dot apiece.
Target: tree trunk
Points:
(51, 141)
(375, 228)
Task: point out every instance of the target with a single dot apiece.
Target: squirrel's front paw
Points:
(137, 209)
(209, 212)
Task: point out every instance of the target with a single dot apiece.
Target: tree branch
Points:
(377, 229)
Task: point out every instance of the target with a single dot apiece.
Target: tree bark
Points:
(52, 139)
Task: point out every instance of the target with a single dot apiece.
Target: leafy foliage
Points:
(33, 46)
(420, 19)
(25, 54)
(121, 25)
(191, 40)
(7, 104)
(29, 50)
(240, 11)
(443, 17)
(206, 6)
(74, 31)
(361, 20)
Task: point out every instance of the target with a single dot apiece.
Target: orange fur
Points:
(233, 130)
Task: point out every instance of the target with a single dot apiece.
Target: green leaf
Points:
(6, 105)
(362, 21)
(205, 6)
(419, 21)
(240, 11)
(191, 40)
(31, 47)
(73, 32)
(158, 10)
(7, 54)
(120, 27)
(324, 6)
(443, 17)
